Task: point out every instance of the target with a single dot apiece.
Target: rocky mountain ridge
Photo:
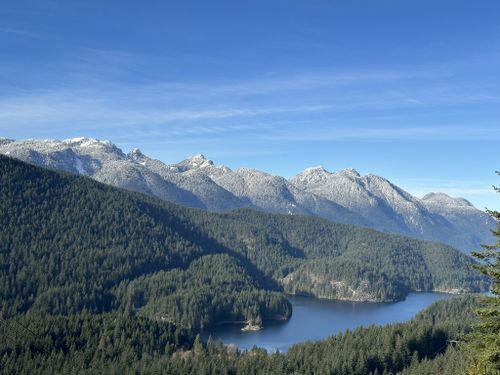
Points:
(344, 196)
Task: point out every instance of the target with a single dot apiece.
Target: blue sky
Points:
(409, 90)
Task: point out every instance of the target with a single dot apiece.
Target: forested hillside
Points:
(321, 258)
(214, 288)
(119, 344)
(344, 196)
(101, 280)
(70, 245)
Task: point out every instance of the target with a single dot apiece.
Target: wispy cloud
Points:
(287, 108)
(19, 32)
(455, 188)
(423, 132)
(71, 106)
(306, 81)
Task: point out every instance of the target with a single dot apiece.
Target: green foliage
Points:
(306, 247)
(108, 279)
(454, 313)
(117, 344)
(485, 340)
(69, 244)
(85, 343)
(344, 278)
(214, 289)
(452, 362)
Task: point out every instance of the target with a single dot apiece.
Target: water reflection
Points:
(315, 319)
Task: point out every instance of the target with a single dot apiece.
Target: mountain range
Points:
(96, 274)
(71, 244)
(344, 196)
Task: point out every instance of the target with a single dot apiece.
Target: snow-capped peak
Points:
(104, 148)
(317, 169)
(198, 157)
(446, 200)
(311, 174)
(199, 161)
(350, 172)
(86, 142)
(135, 154)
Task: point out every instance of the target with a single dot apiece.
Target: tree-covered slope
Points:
(69, 244)
(333, 260)
(116, 344)
(214, 289)
(343, 196)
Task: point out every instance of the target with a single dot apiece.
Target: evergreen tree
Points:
(485, 339)
(113, 282)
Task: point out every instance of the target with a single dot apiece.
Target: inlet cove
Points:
(317, 319)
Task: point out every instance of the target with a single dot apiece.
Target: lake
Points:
(315, 319)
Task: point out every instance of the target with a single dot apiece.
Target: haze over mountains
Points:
(344, 196)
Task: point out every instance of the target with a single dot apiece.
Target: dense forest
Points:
(201, 295)
(96, 279)
(397, 264)
(71, 245)
(121, 344)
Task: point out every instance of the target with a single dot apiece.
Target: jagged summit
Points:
(197, 157)
(344, 196)
(199, 161)
(135, 154)
(350, 172)
(320, 174)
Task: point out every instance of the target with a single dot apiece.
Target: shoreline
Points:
(448, 291)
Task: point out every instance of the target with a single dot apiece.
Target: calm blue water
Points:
(315, 319)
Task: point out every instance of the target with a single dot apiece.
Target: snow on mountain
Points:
(188, 176)
(391, 209)
(471, 226)
(276, 194)
(442, 200)
(5, 141)
(349, 190)
(87, 142)
(269, 192)
(344, 196)
(101, 160)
